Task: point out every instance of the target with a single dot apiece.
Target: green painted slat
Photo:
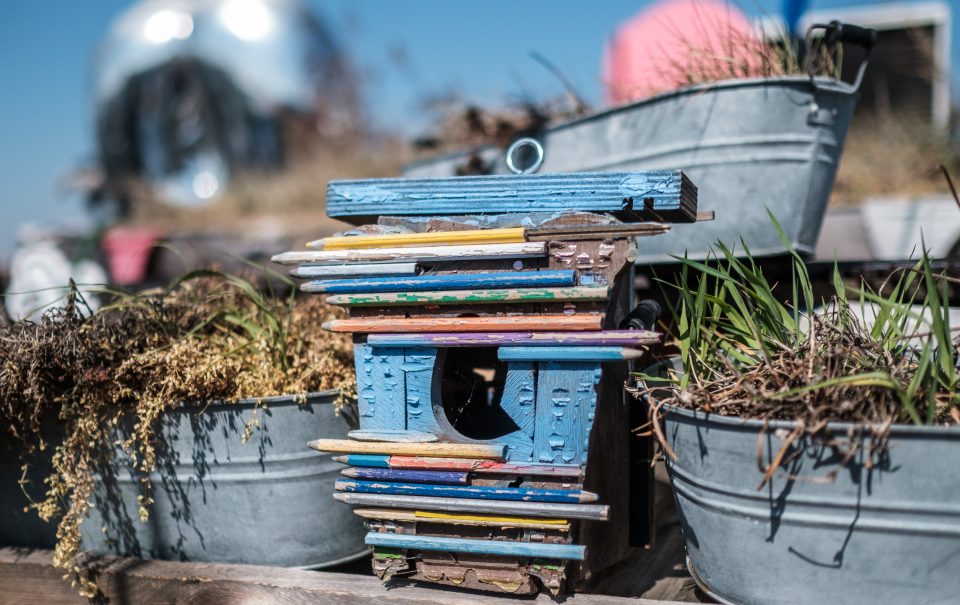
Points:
(453, 297)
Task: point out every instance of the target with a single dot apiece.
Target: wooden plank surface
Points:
(513, 235)
(392, 436)
(628, 338)
(581, 322)
(27, 577)
(438, 450)
(565, 353)
(454, 281)
(420, 253)
(572, 234)
(459, 464)
(354, 270)
(552, 510)
(480, 492)
(389, 474)
(664, 193)
(422, 516)
(569, 552)
(479, 296)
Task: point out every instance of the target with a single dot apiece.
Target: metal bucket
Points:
(747, 144)
(890, 534)
(268, 501)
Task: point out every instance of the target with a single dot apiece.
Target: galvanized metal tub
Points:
(267, 502)
(747, 144)
(890, 534)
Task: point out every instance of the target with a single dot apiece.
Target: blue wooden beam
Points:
(456, 281)
(574, 354)
(480, 492)
(535, 550)
(652, 194)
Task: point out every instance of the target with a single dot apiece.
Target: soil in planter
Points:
(210, 337)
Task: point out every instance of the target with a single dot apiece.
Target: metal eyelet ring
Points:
(520, 144)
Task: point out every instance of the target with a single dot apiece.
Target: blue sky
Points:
(479, 49)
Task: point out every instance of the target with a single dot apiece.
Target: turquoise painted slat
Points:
(517, 400)
(566, 403)
(664, 193)
(575, 354)
(380, 387)
(537, 550)
(458, 281)
(479, 492)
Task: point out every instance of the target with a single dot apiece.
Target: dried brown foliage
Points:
(207, 339)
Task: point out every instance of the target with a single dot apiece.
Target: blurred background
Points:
(141, 138)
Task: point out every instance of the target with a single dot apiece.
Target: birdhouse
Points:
(494, 326)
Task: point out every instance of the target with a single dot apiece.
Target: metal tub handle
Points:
(836, 32)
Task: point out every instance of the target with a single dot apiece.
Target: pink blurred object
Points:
(128, 252)
(663, 45)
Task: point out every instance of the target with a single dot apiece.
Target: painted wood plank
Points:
(380, 387)
(665, 193)
(571, 234)
(420, 253)
(581, 322)
(480, 492)
(561, 525)
(436, 450)
(567, 353)
(460, 464)
(566, 404)
(519, 391)
(418, 367)
(513, 235)
(388, 474)
(628, 338)
(481, 296)
(392, 436)
(550, 510)
(539, 550)
(455, 281)
(354, 270)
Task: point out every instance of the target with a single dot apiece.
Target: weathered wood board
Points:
(480, 296)
(457, 281)
(552, 510)
(454, 519)
(389, 474)
(354, 270)
(510, 323)
(480, 492)
(627, 338)
(567, 353)
(667, 194)
(423, 254)
(438, 450)
(512, 235)
(538, 550)
(460, 464)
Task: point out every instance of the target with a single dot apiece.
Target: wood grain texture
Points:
(454, 281)
(519, 393)
(584, 322)
(387, 514)
(665, 193)
(436, 450)
(513, 235)
(27, 577)
(567, 353)
(573, 552)
(421, 253)
(474, 296)
(566, 404)
(460, 464)
(551, 510)
(591, 232)
(480, 492)
(628, 338)
(392, 436)
(389, 474)
(354, 270)
(381, 384)
(418, 368)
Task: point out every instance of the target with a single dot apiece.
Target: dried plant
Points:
(209, 337)
(745, 352)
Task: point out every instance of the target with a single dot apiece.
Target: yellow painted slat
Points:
(513, 235)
